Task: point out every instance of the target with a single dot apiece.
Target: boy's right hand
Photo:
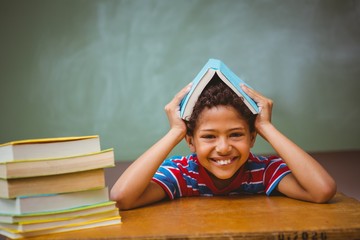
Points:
(134, 187)
(172, 110)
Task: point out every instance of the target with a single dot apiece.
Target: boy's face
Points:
(222, 141)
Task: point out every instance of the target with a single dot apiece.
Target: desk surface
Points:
(250, 217)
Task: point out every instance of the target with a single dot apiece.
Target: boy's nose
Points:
(223, 147)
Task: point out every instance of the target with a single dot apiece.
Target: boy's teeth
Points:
(223, 162)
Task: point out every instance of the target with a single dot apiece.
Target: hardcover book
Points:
(100, 222)
(55, 166)
(45, 203)
(212, 68)
(68, 182)
(81, 218)
(54, 185)
(53, 216)
(44, 148)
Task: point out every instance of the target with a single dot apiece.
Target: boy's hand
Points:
(134, 187)
(172, 110)
(308, 180)
(265, 107)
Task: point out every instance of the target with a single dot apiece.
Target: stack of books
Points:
(54, 185)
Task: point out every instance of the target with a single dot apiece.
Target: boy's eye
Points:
(236, 134)
(208, 136)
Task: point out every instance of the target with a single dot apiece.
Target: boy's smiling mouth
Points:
(223, 161)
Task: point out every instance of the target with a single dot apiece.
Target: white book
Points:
(44, 148)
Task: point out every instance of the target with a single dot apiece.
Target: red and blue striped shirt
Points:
(183, 176)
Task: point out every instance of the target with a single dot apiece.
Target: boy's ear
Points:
(190, 142)
(253, 138)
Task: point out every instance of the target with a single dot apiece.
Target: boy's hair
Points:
(217, 93)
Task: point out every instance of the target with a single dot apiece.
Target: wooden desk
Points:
(236, 217)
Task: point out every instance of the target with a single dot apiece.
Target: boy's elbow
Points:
(114, 195)
(120, 199)
(326, 193)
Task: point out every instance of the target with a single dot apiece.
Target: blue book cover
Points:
(212, 67)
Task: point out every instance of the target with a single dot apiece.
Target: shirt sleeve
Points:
(274, 172)
(168, 176)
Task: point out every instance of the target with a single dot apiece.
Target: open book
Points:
(212, 67)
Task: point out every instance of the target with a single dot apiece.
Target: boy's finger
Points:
(252, 93)
(180, 95)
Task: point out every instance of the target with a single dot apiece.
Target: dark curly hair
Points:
(217, 93)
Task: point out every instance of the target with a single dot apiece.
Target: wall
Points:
(75, 67)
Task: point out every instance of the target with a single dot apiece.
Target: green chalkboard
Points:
(72, 67)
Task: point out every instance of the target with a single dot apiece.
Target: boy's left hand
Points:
(308, 180)
(265, 107)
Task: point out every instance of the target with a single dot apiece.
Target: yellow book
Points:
(54, 166)
(51, 216)
(66, 228)
(24, 227)
(69, 182)
(44, 148)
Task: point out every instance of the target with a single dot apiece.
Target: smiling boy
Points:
(220, 133)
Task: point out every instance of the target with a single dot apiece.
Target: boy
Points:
(220, 133)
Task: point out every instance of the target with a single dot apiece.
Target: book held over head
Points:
(214, 68)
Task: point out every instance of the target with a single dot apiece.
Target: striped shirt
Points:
(183, 176)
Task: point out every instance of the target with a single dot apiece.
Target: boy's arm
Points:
(134, 188)
(309, 181)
